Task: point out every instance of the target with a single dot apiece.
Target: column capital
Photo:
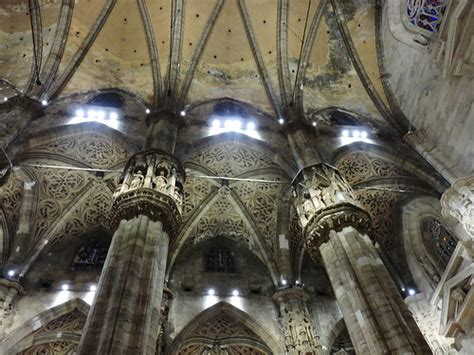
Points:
(293, 293)
(458, 202)
(325, 202)
(151, 185)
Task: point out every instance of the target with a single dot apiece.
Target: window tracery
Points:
(426, 14)
(439, 242)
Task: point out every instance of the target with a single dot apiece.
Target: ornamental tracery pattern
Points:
(222, 219)
(261, 200)
(71, 322)
(195, 192)
(10, 200)
(58, 189)
(357, 167)
(57, 347)
(95, 149)
(231, 159)
(379, 204)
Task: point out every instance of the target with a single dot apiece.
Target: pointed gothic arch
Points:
(226, 326)
(62, 323)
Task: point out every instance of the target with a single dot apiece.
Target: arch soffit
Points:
(412, 213)
(240, 316)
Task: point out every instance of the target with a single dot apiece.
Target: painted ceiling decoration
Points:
(294, 57)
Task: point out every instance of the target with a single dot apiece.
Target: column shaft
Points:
(377, 319)
(125, 314)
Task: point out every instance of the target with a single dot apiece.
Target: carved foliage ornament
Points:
(152, 184)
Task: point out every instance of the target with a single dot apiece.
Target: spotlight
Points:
(65, 287)
(345, 133)
(216, 123)
(5, 99)
(283, 282)
(100, 115)
(44, 102)
(211, 292)
(11, 273)
(281, 121)
(411, 291)
(297, 282)
(314, 124)
(147, 111)
(355, 134)
(235, 293)
(228, 124)
(92, 288)
(80, 113)
(91, 114)
(113, 115)
(183, 113)
(403, 289)
(251, 126)
(363, 134)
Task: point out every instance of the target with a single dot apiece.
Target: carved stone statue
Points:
(137, 180)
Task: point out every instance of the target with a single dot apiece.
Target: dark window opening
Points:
(110, 99)
(220, 260)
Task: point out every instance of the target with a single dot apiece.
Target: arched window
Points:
(426, 14)
(439, 242)
(219, 259)
(91, 256)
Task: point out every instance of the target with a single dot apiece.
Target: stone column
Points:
(376, 317)
(124, 318)
(15, 115)
(296, 323)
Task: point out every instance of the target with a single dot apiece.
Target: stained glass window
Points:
(439, 242)
(426, 14)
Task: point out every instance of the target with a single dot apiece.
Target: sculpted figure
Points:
(161, 182)
(137, 180)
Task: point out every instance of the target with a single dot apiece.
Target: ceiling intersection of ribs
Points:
(242, 210)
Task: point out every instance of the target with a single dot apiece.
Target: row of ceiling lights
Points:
(212, 292)
(355, 133)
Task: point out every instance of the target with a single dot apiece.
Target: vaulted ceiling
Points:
(274, 54)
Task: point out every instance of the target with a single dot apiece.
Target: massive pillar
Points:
(296, 323)
(124, 318)
(334, 227)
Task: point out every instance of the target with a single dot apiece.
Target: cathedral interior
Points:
(236, 177)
